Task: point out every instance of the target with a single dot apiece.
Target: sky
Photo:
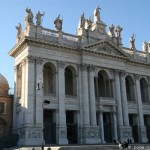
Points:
(132, 15)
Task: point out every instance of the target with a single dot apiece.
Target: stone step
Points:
(73, 147)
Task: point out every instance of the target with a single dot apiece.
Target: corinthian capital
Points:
(91, 68)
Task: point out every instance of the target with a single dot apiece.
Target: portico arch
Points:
(130, 88)
(144, 90)
(70, 81)
(49, 79)
(104, 84)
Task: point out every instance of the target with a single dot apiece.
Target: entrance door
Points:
(134, 126)
(107, 127)
(147, 125)
(49, 127)
(72, 132)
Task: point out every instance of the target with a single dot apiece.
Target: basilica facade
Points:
(79, 89)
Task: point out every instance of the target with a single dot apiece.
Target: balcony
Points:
(106, 101)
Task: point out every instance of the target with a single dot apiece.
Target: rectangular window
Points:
(2, 107)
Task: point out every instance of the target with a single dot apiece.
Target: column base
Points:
(30, 136)
(91, 135)
(143, 134)
(125, 133)
(62, 135)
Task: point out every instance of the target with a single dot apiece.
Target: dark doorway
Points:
(147, 125)
(49, 127)
(72, 128)
(107, 127)
(134, 126)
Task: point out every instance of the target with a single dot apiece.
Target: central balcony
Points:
(105, 101)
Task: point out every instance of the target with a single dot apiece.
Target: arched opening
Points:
(144, 90)
(70, 81)
(49, 79)
(104, 85)
(130, 89)
(2, 127)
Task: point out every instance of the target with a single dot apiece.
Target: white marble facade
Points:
(96, 88)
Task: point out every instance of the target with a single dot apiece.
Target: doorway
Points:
(72, 128)
(49, 127)
(107, 127)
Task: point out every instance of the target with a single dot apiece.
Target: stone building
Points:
(85, 88)
(6, 108)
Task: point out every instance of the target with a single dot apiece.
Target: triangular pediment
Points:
(107, 47)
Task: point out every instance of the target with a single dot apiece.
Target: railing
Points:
(71, 96)
(105, 100)
(50, 94)
(50, 33)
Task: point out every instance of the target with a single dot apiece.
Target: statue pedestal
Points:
(91, 135)
(125, 133)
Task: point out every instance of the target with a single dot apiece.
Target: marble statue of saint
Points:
(38, 18)
(82, 21)
(58, 23)
(132, 42)
(29, 16)
(118, 31)
(89, 23)
(111, 30)
(19, 30)
(97, 15)
(145, 46)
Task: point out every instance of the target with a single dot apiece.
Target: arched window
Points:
(49, 79)
(130, 89)
(70, 81)
(104, 85)
(144, 90)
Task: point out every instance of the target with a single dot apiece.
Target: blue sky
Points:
(132, 15)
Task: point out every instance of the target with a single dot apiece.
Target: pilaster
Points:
(62, 133)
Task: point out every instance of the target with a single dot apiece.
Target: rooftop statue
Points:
(19, 30)
(97, 15)
(89, 23)
(145, 46)
(82, 21)
(58, 23)
(38, 18)
(132, 42)
(118, 31)
(111, 30)
(29, 17)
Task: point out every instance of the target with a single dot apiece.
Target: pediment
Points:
(107, 47)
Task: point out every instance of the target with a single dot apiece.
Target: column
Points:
(102, 127)
(118, 98)
(61, 107)
(85, 96)
(115, 123)
(142, 128)
(15, 102)
(124, 99)
(92, 96)
(119, 106)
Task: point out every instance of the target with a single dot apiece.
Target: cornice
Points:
(26, 41)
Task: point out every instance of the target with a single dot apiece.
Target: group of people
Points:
(122, 145)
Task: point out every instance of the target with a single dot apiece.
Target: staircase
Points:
(72, 147)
